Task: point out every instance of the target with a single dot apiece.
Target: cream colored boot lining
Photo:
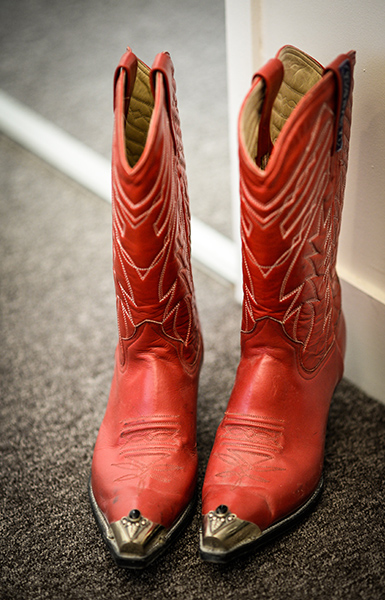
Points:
(139, 115)
(250, 119)
(300, 74)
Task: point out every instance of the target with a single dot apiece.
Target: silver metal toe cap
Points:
(134, 534)
(222, 531)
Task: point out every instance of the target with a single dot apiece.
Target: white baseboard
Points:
(365, 356)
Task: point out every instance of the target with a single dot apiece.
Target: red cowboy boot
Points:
(266, 465)
(144, 467)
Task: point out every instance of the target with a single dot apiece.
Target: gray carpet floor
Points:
(58, 334)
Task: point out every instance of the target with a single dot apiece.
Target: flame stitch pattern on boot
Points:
(166, 210)
(151, 221)
(307, 213)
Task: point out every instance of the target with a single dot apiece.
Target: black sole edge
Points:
(267, 536)
(168, 538)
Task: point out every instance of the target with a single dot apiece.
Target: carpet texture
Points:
(58, 335)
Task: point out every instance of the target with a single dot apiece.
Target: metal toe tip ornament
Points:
(224, 535)
(134, 541)
(135, 536)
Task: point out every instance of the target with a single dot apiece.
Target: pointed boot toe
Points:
(235, 525)
(134, 540)
(223, 535)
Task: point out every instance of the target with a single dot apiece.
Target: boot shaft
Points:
(151, 220)
(294, 133)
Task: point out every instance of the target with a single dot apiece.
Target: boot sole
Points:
(267, 535)
(160, 545)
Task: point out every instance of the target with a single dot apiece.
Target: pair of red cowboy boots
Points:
(265, 467)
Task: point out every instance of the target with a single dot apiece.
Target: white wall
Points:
(256, 29)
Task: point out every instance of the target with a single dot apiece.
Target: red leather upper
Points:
(290, 221)
(151, 224)
(268, 453)
(145, 455)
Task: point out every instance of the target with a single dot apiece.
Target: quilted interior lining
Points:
(301, 73)
(139, 115)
